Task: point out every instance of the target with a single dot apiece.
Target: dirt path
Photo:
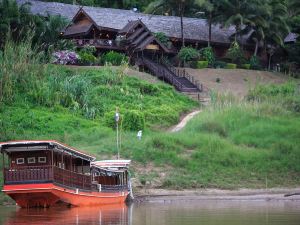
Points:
(184, 121)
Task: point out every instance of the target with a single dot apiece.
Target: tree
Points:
(277, 27)
(257, 25)
(237, 13)
(210, 8)
(171, 7)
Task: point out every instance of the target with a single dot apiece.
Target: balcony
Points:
(98, 43)
(54, 174)
(46, 174)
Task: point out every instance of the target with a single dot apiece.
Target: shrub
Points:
(230, 66)
(88, 49)
(162, 37)
(220, 64)
(65, 57)
(245, 66)
(202, 64)
(255, 63)
(208, 54)
(114, 58)
(134, 120)
(87, 58)
(187, 54)
(109, 119)
(235, 53)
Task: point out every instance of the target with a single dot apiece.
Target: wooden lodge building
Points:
(129, 31)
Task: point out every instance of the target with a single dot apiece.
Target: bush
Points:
(65, 57)
(109, 119)
(235, 53)
(87, 58)
(188, 54)
(202, 64)
(230, 66)
(133, 120)
(162, 37)
(88, 49)
(220, 64)
(255, 63)
(208, 54)
(114, 58)
(245, 66)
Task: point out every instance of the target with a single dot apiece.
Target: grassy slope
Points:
(230, 145)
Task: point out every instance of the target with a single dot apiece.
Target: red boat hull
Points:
(45, 195)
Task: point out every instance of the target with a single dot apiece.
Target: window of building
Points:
(31, 160)
(42, 159)
(20, 161)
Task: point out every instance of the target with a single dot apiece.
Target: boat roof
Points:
(35, 145)
(120, 163)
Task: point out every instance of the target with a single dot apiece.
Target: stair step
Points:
(160, 70)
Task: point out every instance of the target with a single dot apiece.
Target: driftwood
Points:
(292, 194)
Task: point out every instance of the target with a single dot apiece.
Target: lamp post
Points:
(117, 118)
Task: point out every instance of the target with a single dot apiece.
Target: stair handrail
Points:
(154, 69)
(182, 73)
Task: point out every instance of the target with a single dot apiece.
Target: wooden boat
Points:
(44, 173)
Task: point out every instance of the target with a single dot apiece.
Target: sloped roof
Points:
(292, 37)
(77, 28)
(29, 144)
(194, 29)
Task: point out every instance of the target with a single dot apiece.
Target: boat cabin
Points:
(32, 162)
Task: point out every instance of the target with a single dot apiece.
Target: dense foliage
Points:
(18, 22)
(114, 58)
(188, 53)
(252, 143)
(90, 93)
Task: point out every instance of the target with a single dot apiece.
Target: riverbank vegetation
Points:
(252, 142)
(234, 143)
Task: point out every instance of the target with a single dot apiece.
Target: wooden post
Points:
(82, 173)
(52, 163)
(3, 165)
(62, 159)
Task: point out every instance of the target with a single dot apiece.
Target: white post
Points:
(117, 118)
(118, 140)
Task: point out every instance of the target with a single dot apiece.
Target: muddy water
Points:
(163, 213)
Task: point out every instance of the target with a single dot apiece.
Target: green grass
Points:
(231, 144)
(250, 143)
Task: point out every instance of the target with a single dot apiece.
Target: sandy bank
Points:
(158, 195)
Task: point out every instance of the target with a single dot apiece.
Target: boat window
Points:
(20, 161)
(61, 165)
(42, 159)
(31, 160)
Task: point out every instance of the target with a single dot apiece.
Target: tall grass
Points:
(95, 94)
(20, 69)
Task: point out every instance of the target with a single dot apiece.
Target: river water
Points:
(162, 213)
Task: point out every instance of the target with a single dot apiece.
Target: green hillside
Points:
(250, 143)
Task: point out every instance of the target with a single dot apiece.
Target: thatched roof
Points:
(78, 28)
(194, 29)
(291, 38)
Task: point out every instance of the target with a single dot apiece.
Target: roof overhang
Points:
(120, 163)
(115, 166)
(41, 145)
